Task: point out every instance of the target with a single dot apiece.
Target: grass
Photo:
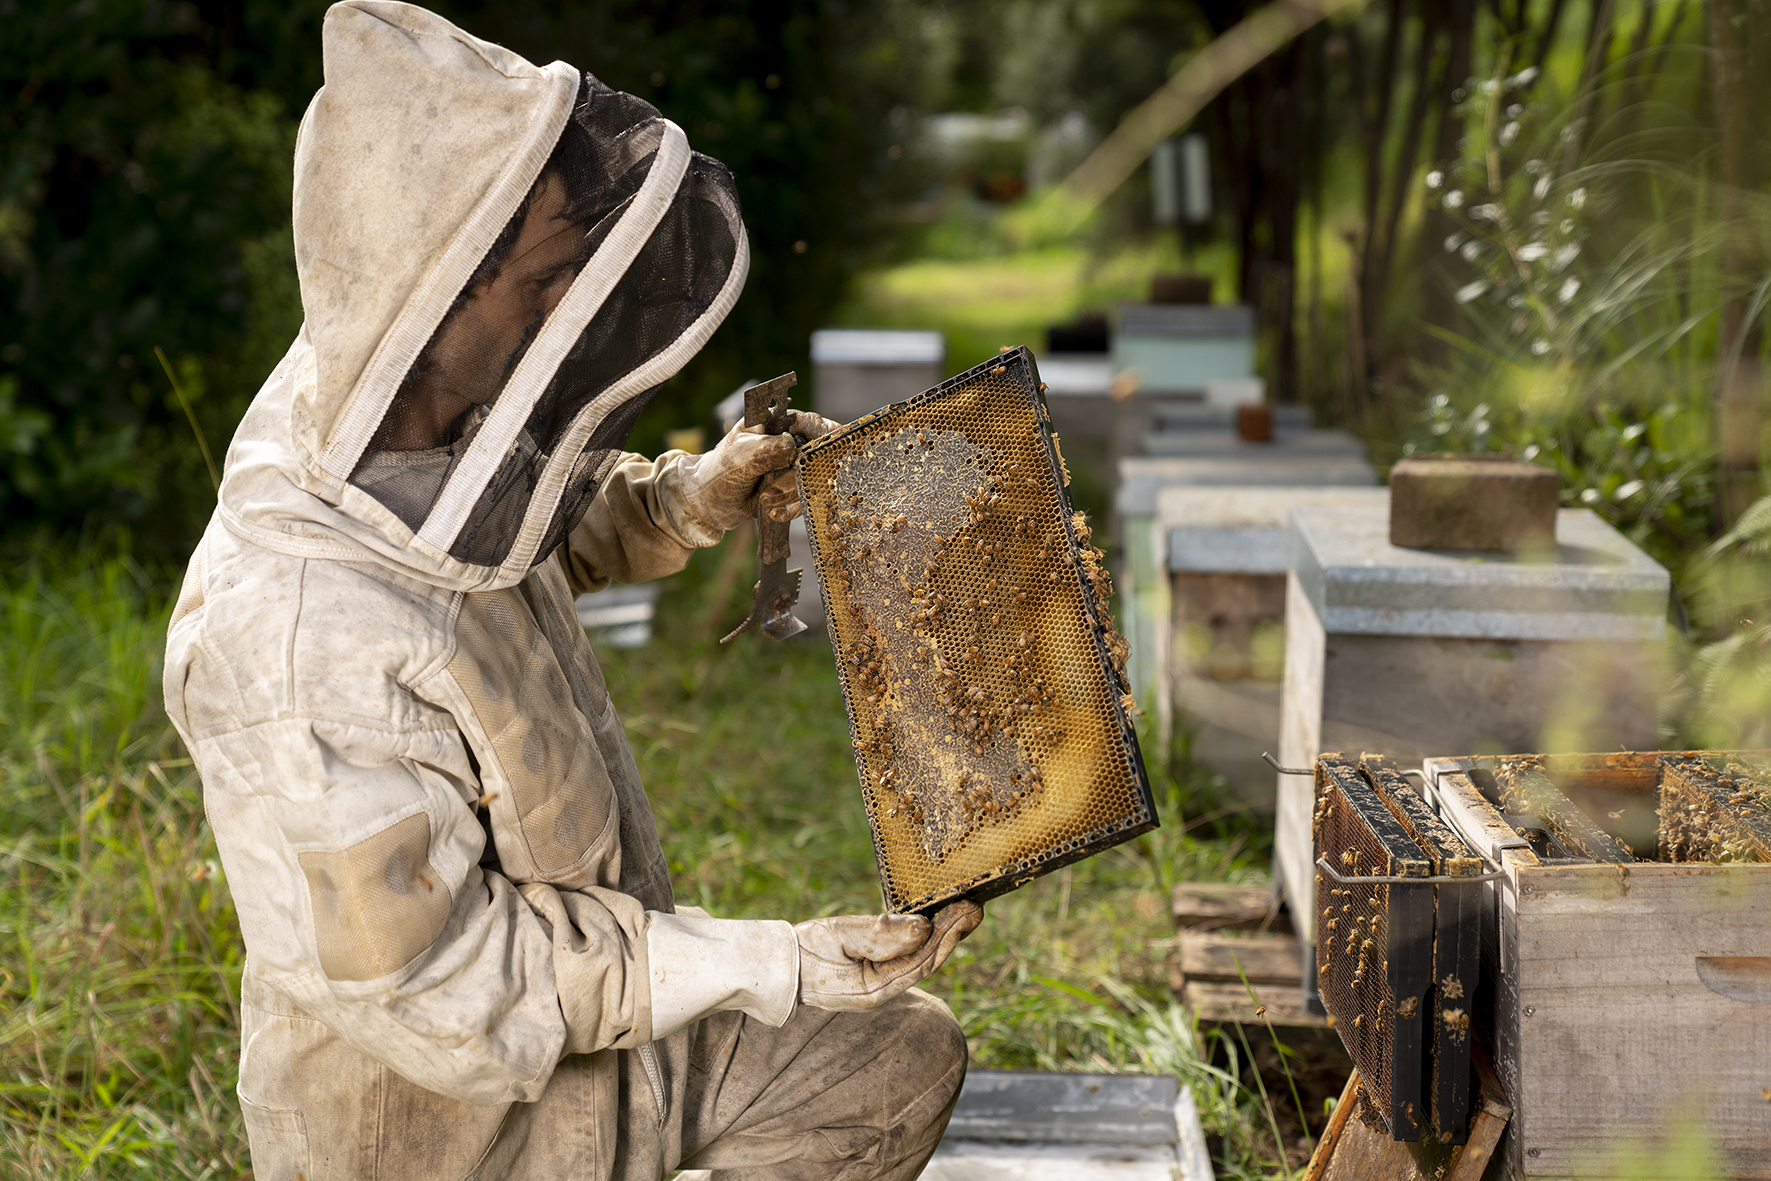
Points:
(1012, 296)
(120, 957)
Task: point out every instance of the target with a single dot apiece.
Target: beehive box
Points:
(1626, 995)
(984, 681)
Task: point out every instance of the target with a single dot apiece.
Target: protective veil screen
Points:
(597, 289)
(984, 681)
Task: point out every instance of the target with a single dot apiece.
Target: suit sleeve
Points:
(353, 859)
(637, 528)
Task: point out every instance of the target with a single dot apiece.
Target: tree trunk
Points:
(1736, 29)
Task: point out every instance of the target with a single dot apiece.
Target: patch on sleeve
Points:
(377, 904)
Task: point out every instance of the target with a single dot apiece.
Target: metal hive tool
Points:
(1457, 948)
(1374, 942)
(984, 682)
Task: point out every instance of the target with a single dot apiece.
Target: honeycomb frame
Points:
(993, 737)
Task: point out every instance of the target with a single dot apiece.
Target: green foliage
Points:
(119, 954)
(1730, 680)
(1590, 304)
(134, 183)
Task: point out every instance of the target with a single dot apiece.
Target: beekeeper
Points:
(463, 957)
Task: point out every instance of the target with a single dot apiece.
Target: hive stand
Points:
(1231, 941)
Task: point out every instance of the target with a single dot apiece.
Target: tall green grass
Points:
(119, 951)
(119, 955)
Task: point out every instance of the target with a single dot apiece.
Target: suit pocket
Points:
(278, 1139)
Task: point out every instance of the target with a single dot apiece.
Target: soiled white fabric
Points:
(703, 965)
(462, 947)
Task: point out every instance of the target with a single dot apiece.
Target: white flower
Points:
(1524, 77)
(1577, 198)
(1471, 290)
(1530, 453)
(1589, 496)
(1435, 178)
(1514, 111)
(1565, 226)
(1532, 251)
(1491, 87)
(1569, 289)
(1625, 491)
(1541, 189)
(1453, 241)
(1472, 250)
(1454, 199)
(1515, 300)
(1539, 347)
(1563, 256)
(1508, 134)
(1488, 212)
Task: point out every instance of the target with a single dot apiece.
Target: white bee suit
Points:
(463, 957)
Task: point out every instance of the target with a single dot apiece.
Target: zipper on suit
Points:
(649, 1059)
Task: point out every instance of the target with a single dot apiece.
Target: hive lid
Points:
(1595, 585)
(1184, 320)
(870, 346)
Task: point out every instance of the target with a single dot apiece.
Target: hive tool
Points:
(777, 590)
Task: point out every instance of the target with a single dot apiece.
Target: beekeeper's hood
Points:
(499, 264)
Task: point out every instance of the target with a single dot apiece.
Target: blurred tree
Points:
(144, 201)
(1740, 34)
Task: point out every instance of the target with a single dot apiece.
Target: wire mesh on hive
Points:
(984, 682)
(1457, 949)
(1374, 942)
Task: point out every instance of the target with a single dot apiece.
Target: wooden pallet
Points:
(1236, 958)
(1351, 1151)
(1209, 906)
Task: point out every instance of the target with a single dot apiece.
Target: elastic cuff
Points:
(700, 966)
(669, 471)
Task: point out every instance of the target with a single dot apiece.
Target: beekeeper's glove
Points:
(722, 488)
(854, 962)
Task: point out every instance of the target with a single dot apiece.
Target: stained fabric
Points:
(827, 1097)
(376, 904)
(443, 861)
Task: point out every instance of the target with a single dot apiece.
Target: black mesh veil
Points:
(493, 460)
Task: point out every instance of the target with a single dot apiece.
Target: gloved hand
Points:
(780, 490)
(855, 962)
(723, 487)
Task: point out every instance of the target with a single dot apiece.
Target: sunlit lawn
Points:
(1010, 298)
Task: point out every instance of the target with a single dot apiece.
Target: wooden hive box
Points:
(1626, 998)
